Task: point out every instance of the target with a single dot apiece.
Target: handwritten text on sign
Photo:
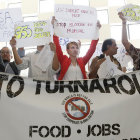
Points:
(76, 22)
(78, 30)
(8, 17)
(33, 33)
(77, 13)
(131, 12)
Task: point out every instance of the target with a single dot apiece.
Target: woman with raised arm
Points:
(73, 67)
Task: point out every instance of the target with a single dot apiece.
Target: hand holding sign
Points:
(131, 12)
(122, 17)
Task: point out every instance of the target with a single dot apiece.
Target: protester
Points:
(29, 62)
(73, 67)
(110, 66)
(109, 48)
(5, 58)
(132, 51)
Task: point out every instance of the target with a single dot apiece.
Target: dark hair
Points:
(74, 43)
(106, 43)
(101, 56)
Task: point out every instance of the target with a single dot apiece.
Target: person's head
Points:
(73, 49)
(40, 47)
(109, 47)
(6, 54)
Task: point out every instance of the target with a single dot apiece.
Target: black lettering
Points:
(49, 88)
(52, 133)
(135, 80)
(99, 130)
(3, 77)
(47, 131)
(112, 85)
(9, 86)
(106, 129)
(68, 86)
(88, 134)
(132, 86)
(31, 130)
(83, 86)
(116, 129)
(96, 85)
(38, 86)
(64, 132)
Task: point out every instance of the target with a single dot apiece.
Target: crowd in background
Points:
(71, 66)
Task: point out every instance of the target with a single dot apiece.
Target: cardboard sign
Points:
(131, 12)
(33, 33)
(76, 22)
(9, 17)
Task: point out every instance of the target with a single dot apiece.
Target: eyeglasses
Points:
(5, 53)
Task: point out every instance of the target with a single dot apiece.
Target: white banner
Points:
(131, 12)
(33, 33)
(9, 17)
(99, 109)
(76, 22)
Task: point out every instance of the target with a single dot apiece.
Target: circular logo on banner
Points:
(77, 109)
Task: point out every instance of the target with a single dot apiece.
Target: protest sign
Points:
(76, 22)
(9, 17)
(131, 12)
(100, 109)
(33, 33)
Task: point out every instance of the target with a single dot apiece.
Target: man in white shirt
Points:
(29, 61)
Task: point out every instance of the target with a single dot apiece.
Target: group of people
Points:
(109, 48)
(71, 67)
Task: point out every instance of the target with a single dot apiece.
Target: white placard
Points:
(33, 33)
(131, 12)
(76, 22)
(9, 17)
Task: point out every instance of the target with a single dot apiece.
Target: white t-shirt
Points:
(73, 73)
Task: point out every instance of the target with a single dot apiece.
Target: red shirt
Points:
(66, 61)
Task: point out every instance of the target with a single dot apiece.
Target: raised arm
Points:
(17, 58)
(56, 42)
(125, 41)
(55, 63)
(58, 49)
(92, 47)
